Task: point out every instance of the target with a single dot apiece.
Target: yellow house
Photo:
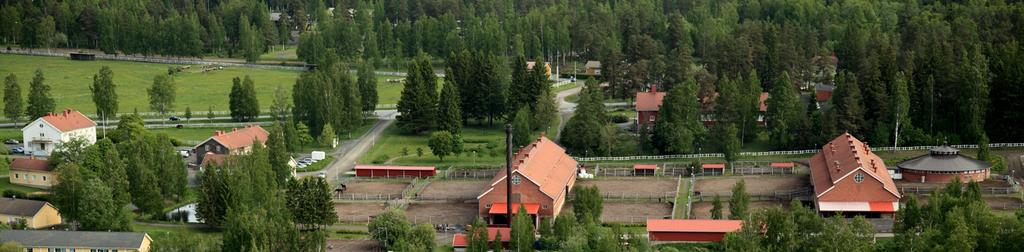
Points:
(48, 240)
(36, 214)
(547, 67)
(32, 172)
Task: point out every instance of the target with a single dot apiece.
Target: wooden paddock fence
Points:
(781, 153)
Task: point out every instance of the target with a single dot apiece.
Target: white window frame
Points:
(858, 178)
(516, 179)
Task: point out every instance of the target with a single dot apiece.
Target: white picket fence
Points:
(781, 153)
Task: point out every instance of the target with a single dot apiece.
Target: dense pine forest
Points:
(946, 70)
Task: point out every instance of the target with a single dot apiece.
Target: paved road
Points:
(565, 108)
(346, 155)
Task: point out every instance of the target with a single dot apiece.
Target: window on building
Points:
(544, 206)
(515, 179)
(41, 135)
(40, 125)
(206, 148)
(488, 205)
(858, 178)
(44, 178)
(17, 176)
(652, 118)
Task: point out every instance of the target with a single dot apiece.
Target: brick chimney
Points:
(654, 88)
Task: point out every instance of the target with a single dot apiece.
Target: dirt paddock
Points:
(352, 245)
(631, 212)
(358, 212)
(375, 187)
(632, 185)
(442, 213)
(702, 210)
(454, 189)
(755, 184)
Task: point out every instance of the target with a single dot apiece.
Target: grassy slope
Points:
(70, 81)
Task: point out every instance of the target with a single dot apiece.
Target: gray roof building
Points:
(77, 239)
(20, 207)
(944, 159)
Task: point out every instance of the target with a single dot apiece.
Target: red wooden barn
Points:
(712, 168)
(394, 171)
(461, 241)
(690, 230)
(644, 169)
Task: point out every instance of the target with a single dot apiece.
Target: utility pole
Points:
(508, 172)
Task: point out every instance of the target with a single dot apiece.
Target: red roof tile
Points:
(761, 105)
(243, 137)
(781, 165)
(462, 240)
(841, 157)
(822, 95)
(546, 164)
(68, 120)
(30, 164)
(693, 226)
(395, 167)
(649, 101)
(214, 158)
(645, 167)
(713, 166)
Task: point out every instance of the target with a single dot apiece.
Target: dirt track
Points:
(627, 211)
(755, 184)
(442, 213)
(357, 212)
(631, 185)
(375, 187)
(458, 189)
(702, 210)
(352, 245)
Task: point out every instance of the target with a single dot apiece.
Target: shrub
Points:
(10, 193)
(620, 118)
(998, 164)
(381, 159)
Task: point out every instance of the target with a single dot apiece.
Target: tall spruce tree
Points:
(14, 106)
(783, 109)
(279, 153)
(39, 101)
(251, 106)
(521, 128)
(368, 85)
(545, 111)
(417, 104)
(849, 108)
(678, 127)
(449, 110)
(236, 100)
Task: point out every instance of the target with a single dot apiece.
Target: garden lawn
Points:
(476, 138)
(280, 54)
(70, 80)
(5, 184)
(10, 133)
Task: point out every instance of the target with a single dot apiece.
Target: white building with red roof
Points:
(848, 178)
(235, 142)
(42, 136)
(542, 176)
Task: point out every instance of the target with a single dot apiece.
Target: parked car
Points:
(11, 141)
(18, 150)
(174, 118)
(322, 174)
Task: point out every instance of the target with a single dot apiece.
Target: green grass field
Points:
(70, 80)
(477, 138)
(279, 54)
(5, 184)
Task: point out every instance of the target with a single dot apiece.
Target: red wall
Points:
(528, 193)
(393, 173)
(644, 117)
(684, 237)
(913, 176)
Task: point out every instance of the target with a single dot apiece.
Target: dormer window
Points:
(858, 178)
(516, 180)
(40, 125)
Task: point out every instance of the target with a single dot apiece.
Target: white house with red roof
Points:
(235, 142)
(848, 178)
(42, 136)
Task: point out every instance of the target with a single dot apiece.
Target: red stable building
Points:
(644, 169)
(392, 171)
(461, 241)
(691, 230)
(712, 168)
(849, 179)
(542, 177)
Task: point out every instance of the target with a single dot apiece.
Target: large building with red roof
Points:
(235, 142)
(542, 176)
(42, 136)
(848, 178)
(647, 106)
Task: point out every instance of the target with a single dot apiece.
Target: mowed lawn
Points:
(478, 138)
(70, 80)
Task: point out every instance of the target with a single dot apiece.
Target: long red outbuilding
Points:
(391, 171)
(691, 230)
